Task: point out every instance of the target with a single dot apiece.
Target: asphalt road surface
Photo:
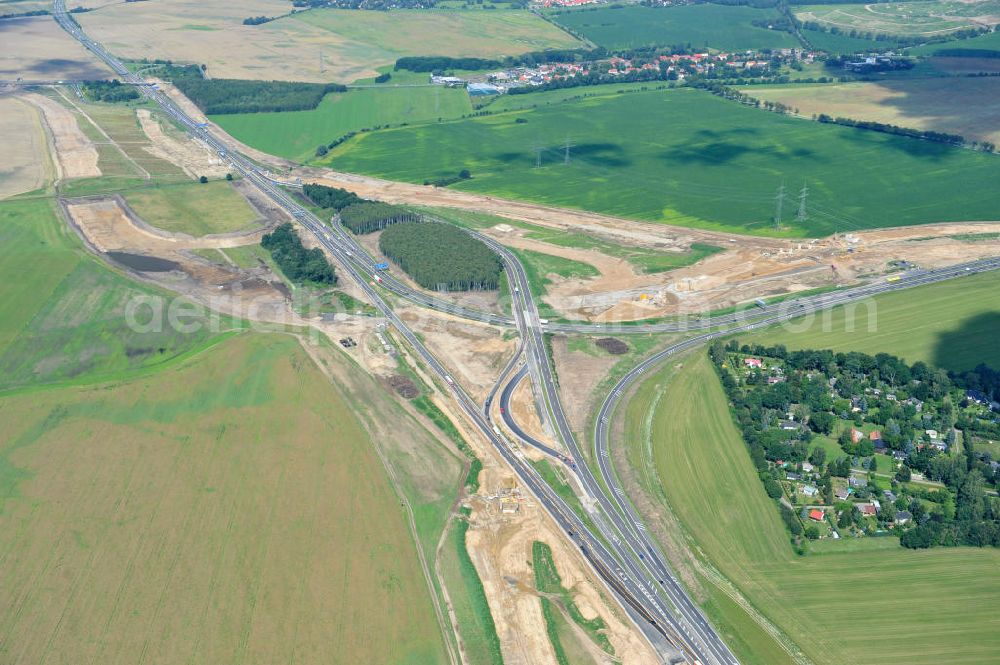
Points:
(621, 553)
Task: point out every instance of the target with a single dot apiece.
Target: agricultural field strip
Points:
(712, 151)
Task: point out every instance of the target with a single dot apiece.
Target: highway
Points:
(628, 561)
(647, 613)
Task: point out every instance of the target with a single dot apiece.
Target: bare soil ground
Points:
(962, 105)
(37, 49)
(257, 294)
(500, 546)
(353, 45)
(193, 157)
(474, 353)
(23, 146)
(214, 34)
(75, 154)
(522, 406)
(579, 373)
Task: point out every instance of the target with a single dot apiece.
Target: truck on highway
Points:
(894, 278)
(760, 303)
(543, 321)
(381, 266)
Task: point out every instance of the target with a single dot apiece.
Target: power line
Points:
(802, 215)
(779, 201)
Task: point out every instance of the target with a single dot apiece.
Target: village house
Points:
(809, 490)
(753, 363)
(903, 517)
(842, 493)
(816, 514)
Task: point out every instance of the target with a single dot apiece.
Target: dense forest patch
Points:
(438, 256)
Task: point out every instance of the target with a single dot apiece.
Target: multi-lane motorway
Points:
(621, 552)
(650, 615)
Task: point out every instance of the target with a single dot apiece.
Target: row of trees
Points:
(896, 130)
(371, 216)
(439, 63)
(242, 96)
(442, 257)
(110, 91)
(299, 264)
(331, 197)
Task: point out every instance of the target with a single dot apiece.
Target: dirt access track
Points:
(193, 157)
(74, 153)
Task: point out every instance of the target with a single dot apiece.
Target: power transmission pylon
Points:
(566, 146)
(802, 215)
(537, 149)
(779, 201)
(321, 67)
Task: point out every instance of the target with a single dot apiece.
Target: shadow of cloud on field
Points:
(913, 147)
(610, 155)
(981, 332)
(601, 154)
(724, 151)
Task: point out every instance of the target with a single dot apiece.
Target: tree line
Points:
(371, 216)
(330, 197)
(299, 264)
(217, 96)
(442, 257)
(733, 94)
(110, 91)
(439, 63)
(922, 134)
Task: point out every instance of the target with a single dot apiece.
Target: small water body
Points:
(143, 263)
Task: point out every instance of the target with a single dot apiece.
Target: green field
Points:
(841, 42)
(296, 134)
(63, 313)
(719, 27)
(927, 19)
(468, 598)
(229, 510)
(685, 157)
(917, 608)
(194, 208)
(952, 324)
(987, 42)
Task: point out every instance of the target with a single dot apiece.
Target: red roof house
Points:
(816, 514)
